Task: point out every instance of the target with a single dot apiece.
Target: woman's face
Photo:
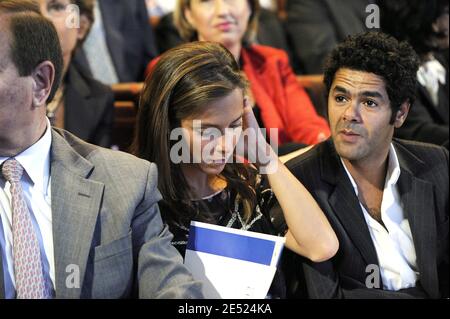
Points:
(58, 11)
(213, 143)
(70, 26)
(222, 21)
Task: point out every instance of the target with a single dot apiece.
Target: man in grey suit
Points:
(76, 220)
(386, 199)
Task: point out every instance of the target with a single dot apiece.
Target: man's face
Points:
(359, 113)
(15, 91)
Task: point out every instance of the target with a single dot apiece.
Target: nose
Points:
(222, 7)
(222, 145)
(351, 113)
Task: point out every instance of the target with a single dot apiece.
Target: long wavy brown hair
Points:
(182, 83)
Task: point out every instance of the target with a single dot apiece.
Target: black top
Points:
(224, 209)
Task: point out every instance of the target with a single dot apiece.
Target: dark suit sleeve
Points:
(160, 273)
(323, 282)
(311, 32)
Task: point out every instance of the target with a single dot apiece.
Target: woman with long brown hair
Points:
(200, 82)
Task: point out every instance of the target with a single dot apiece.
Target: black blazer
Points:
(129, 37)
(88, 107)
(423, 187)
(427, 122)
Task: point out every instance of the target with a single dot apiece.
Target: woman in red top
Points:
(279, 101)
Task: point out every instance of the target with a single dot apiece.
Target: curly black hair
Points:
(375, 52)
(411, 20)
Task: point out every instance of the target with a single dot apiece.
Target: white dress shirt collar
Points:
(35, 161)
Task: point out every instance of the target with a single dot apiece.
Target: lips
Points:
(216, 163)
(349, 136)
(216, 160)
(224, 26)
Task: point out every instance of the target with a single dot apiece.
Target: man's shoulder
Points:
(104, 160)
(417, 146)
(316, 166)
(311, 158)
(429, 154)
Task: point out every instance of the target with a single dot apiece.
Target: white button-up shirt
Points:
(36, 187)
(394, 244)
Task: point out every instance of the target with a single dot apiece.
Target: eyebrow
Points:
(338, 88)
(374, 94)
(213, 125)
(371, 94)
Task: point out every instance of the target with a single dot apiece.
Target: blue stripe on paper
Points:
(230, 245)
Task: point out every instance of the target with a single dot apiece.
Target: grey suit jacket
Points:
(106, 223)
(424, 190)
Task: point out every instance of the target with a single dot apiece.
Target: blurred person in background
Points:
(315, 27)
(120, 43)
(270, 32)
(82, 105)
(425, 25)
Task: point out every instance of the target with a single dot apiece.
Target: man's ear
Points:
(402, 113)
(85, 27)
(43, 78)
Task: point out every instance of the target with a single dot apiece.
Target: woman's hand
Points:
(257, 150)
